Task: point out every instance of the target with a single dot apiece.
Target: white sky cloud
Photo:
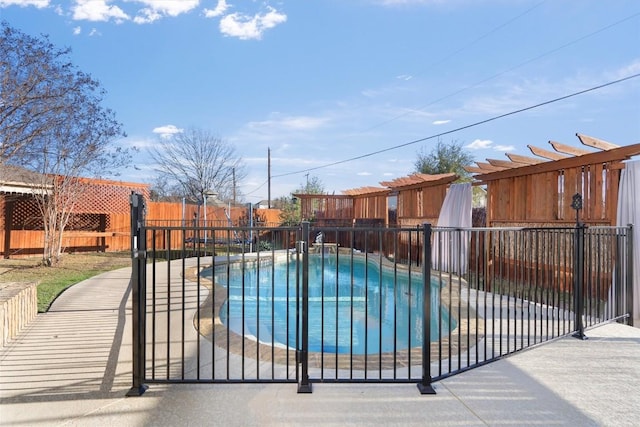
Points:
(219, 10)
(77, 31)
(97, 10)
(156, 9)
(627, 70)
(167, 130)
(37, 3)
(410, 2)
(241, 25)
(479, 144)
(441, 122)
(247, 27)
(291, 123)
(171, 7)
(94, 32)
(364, 174)
(147, 16)
(149, 10)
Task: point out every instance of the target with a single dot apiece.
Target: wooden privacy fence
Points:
(538, 191)
(101, 230)
(544, 256)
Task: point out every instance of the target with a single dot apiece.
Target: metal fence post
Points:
(578, 279)
(138, 289)
(305, 385)
(629, 279)
(424, 385)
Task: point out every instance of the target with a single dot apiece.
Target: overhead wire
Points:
(452, 54)
(481, 37)
(515, 67)
(521, 64)
(458, 129)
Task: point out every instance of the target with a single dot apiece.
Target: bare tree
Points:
(199, 162)
(162, 190)
(52, 123)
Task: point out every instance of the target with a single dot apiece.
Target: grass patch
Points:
(52, 281)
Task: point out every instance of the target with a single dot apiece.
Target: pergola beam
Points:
(365, 191)
(567, 149)
(487, 167)
(474, 169)
(551, 155)
(524, 159)
(504, 164)
(613, 155)
(420, 180)
(600, 144)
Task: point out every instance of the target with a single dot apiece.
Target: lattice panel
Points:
(107, 197)
(88, 222)
(26, 215)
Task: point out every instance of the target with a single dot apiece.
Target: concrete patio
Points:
(72, 366)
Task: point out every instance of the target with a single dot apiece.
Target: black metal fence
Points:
(363, 304)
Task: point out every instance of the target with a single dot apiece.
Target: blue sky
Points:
(322, 81)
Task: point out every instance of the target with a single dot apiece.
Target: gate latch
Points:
(137, 253)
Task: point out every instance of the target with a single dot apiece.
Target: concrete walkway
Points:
(72, 366)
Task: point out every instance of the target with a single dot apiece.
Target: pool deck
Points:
(72, 366)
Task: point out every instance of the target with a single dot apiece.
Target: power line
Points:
(483, 36)
(458, 129)
(521, 64)
(456, 52)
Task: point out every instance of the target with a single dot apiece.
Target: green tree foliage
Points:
(313, 185)
(445, 158)
(290, 212)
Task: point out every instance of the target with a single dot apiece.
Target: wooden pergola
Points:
(365, 205)
(539, 190)
(419, 199)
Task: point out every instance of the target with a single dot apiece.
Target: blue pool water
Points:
(352, 309)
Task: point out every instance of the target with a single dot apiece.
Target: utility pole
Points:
(233, 172)
(269, 177)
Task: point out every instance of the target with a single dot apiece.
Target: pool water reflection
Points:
(353, 308)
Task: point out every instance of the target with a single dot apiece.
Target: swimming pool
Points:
(353, 308)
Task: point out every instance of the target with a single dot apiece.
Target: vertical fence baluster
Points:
(304, 386)
(629, 285)
(578, 271)
(138, 281)
(424, 385)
